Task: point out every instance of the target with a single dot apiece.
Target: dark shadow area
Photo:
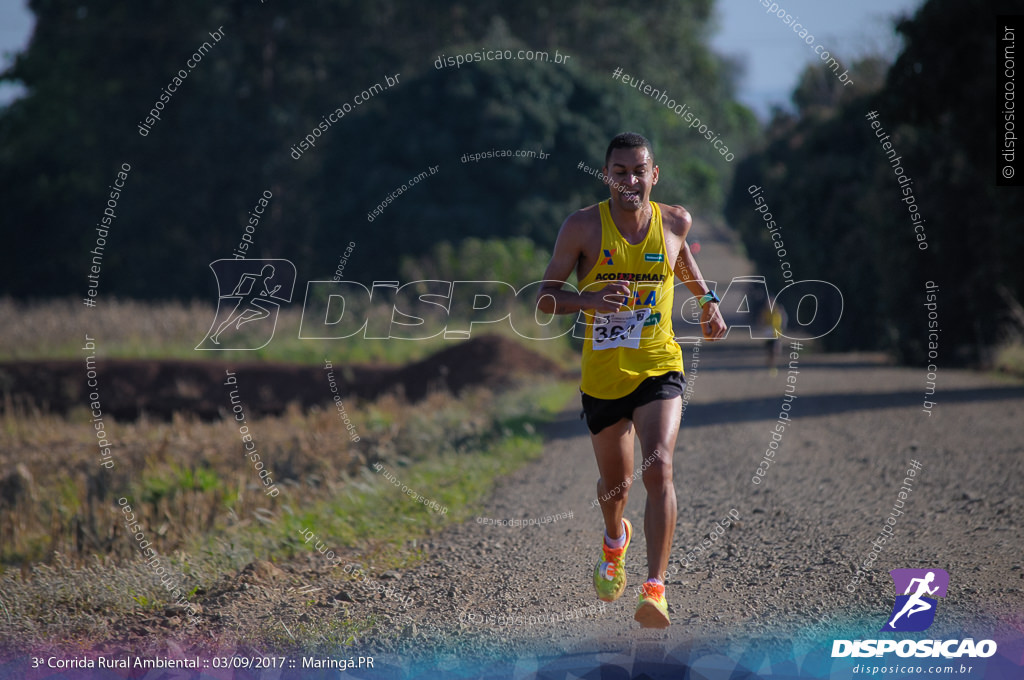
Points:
(768, 408)
(750, 356)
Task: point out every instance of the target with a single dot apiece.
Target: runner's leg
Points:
(613, 448)
(657, 425)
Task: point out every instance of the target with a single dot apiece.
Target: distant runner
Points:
(774, 319)
(625, 252)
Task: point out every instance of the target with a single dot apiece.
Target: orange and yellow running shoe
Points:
(610, 572)
(652, 609)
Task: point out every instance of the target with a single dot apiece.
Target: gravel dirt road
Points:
(783, 568)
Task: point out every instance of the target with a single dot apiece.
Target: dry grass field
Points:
(69, 567)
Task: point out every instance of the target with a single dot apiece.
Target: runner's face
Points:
(631, 174)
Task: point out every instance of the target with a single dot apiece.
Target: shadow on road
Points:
(750, 357)
(767, 408)
(569, 424)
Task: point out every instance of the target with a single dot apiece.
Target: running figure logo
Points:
(915, 608)
(258, 289)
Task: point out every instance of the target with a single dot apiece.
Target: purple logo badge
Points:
(917, 593)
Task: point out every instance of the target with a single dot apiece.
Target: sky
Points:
(15, 29)
(773, 54)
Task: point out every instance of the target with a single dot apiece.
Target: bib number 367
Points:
(620, 329)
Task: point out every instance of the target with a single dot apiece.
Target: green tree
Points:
(843, 209)
(95, 68)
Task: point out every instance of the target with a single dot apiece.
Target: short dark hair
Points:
(628, 140)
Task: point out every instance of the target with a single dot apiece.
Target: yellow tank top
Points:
(623, 349)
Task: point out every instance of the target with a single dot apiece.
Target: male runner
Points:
(624, 252)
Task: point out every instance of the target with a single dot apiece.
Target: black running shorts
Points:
(600, 413)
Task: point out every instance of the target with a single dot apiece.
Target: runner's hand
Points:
(712, 325)
(610, 298)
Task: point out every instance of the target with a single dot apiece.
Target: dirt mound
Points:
(490, 360)
(130, 387)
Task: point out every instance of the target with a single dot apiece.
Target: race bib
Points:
(620, 329)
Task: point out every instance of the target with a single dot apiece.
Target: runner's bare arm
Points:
(678, 220)
(552, 298)
(689, 273)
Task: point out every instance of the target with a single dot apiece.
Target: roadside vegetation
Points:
(68, 565)
(128, 329)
